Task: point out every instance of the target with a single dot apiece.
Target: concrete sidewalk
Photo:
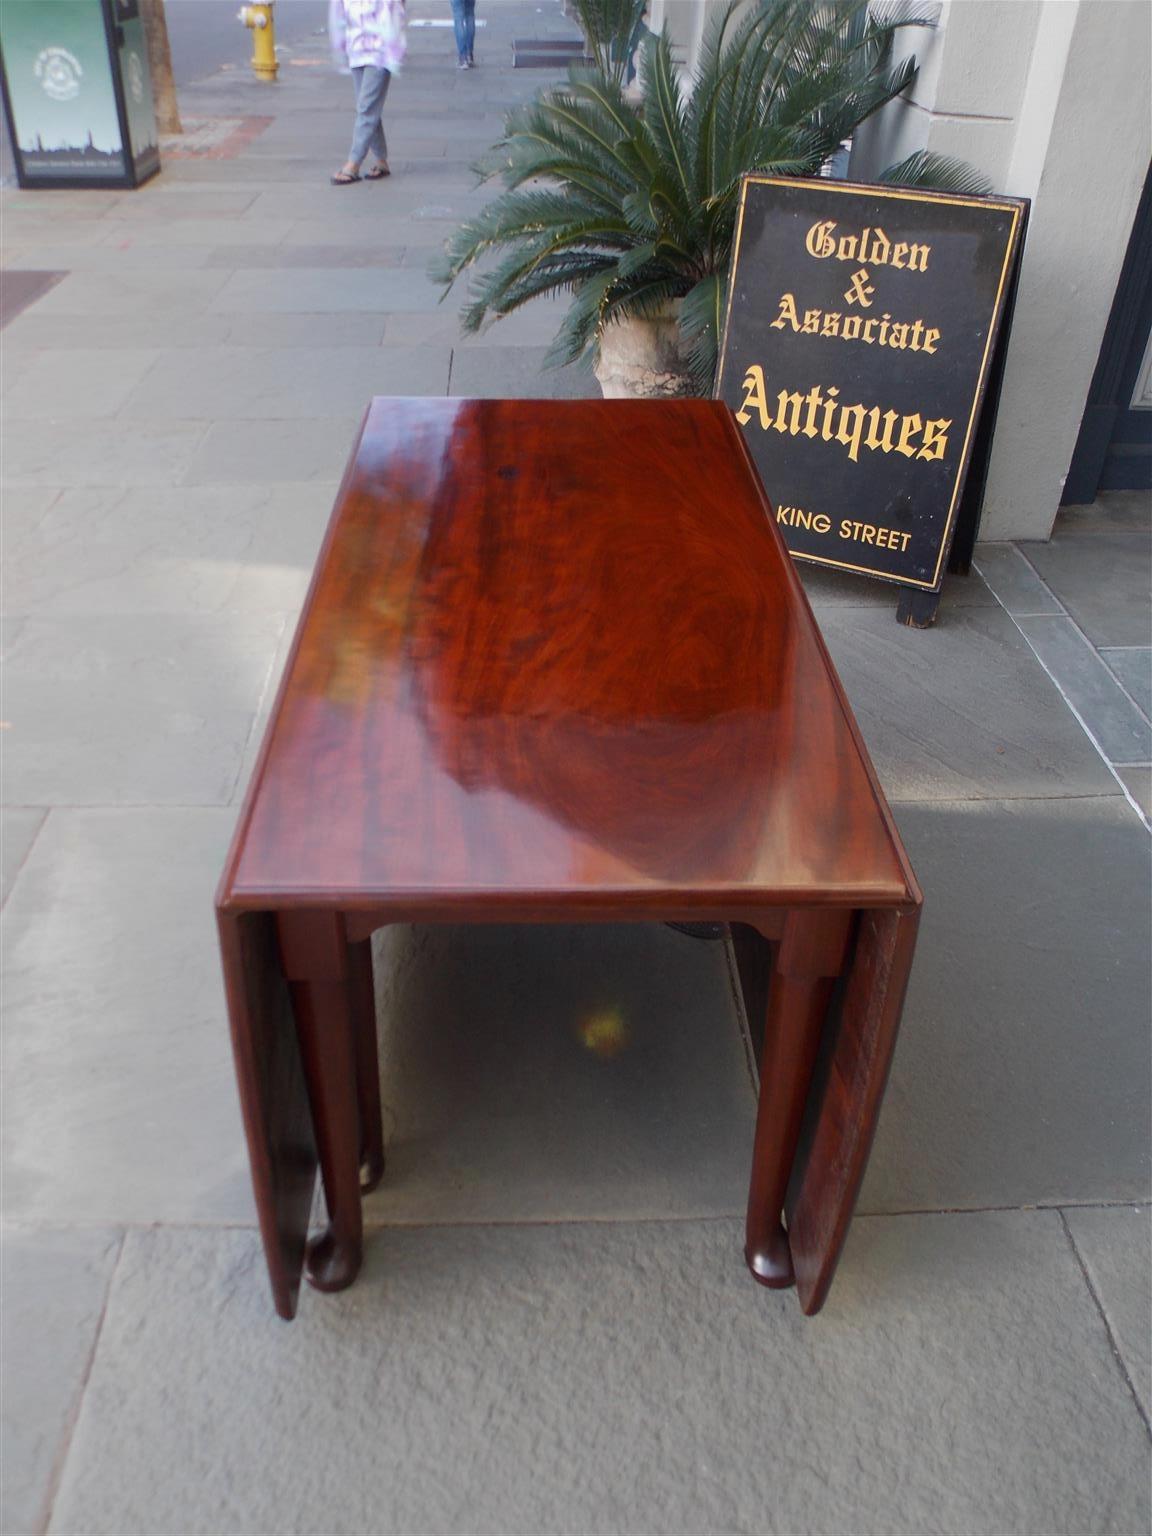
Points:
(555, 1331)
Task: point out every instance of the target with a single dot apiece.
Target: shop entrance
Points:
(1114, 449)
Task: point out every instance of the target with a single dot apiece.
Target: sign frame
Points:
(966, 496)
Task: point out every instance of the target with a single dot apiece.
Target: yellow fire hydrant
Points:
(258, 19)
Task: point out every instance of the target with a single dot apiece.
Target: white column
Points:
(1082, 154)
(685, 19)
(966, 97)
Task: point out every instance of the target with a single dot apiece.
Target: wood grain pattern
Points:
(827, 1178)
(811, 954)
(273, 1095)
(556, 665)
(556, 647)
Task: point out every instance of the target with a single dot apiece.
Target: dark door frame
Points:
(1114, 448)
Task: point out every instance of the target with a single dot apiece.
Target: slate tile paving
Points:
(1113, 1242)
(55, 1285)
(19, 825)
(238, 384)
(113, 1054)
(1132, 666)
(535, 1346)
(1099, 571)
(91, 452)
(187, 549)
(612, 1377)
(77, 382)
(1137, 783)
(662, 1126)
(518, 373)
(1015, 583)
(23, 288)
(286, 452)
(1024, 1069)
(1122, 733)
(133, 709)
(960, 711)
(122, 256)
(132, 293)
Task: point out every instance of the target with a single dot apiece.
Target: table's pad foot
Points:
(771, 1262)
(371, 1169)
(331, 1265)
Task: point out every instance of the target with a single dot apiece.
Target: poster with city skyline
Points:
(61, 92)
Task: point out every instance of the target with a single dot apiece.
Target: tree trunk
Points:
(160, 63)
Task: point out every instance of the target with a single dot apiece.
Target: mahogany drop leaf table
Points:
(555, 665)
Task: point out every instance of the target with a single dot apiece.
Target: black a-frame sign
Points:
(863, 354)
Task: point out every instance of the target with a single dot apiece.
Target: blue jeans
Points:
(371, 88)
(464, 20)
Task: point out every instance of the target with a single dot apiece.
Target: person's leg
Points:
(350, 170)
(469, 29)
(371, 88)
(378, 90)
(459, 28)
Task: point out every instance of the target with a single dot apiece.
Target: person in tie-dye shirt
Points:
(368, 41)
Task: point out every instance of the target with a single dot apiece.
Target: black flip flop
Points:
(377, 173)
(342, 179)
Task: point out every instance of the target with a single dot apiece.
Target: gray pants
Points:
(371, 88)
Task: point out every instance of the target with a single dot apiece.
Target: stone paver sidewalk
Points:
(555, 1331)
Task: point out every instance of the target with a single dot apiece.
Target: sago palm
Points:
(630, 205)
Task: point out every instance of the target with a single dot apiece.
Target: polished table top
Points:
(556, 665)
(558, 646)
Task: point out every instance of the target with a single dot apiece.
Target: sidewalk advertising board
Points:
(862, 352)
(78, 93)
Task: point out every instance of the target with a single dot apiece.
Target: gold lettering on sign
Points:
(754, 398)
(861, 533)
(869, 533)
(861, 290)
(871, 246)
(873, 331)
(800, 517)
(821, 413)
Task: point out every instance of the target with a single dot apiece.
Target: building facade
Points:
(1050, 99)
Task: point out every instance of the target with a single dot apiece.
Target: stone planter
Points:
(641, 358)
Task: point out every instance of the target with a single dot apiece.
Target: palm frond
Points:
(526, 219)
(701, 321)
(611, 30)
(663, 111)
(527, 274)
(581, 325)
(631, 205)
(939, 173)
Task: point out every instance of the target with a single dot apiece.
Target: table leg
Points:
(363, 995)
(811, 955)
(315, 957)
(324, 1021)
(753, 956)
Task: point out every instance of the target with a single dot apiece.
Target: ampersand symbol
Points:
(861, 290)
